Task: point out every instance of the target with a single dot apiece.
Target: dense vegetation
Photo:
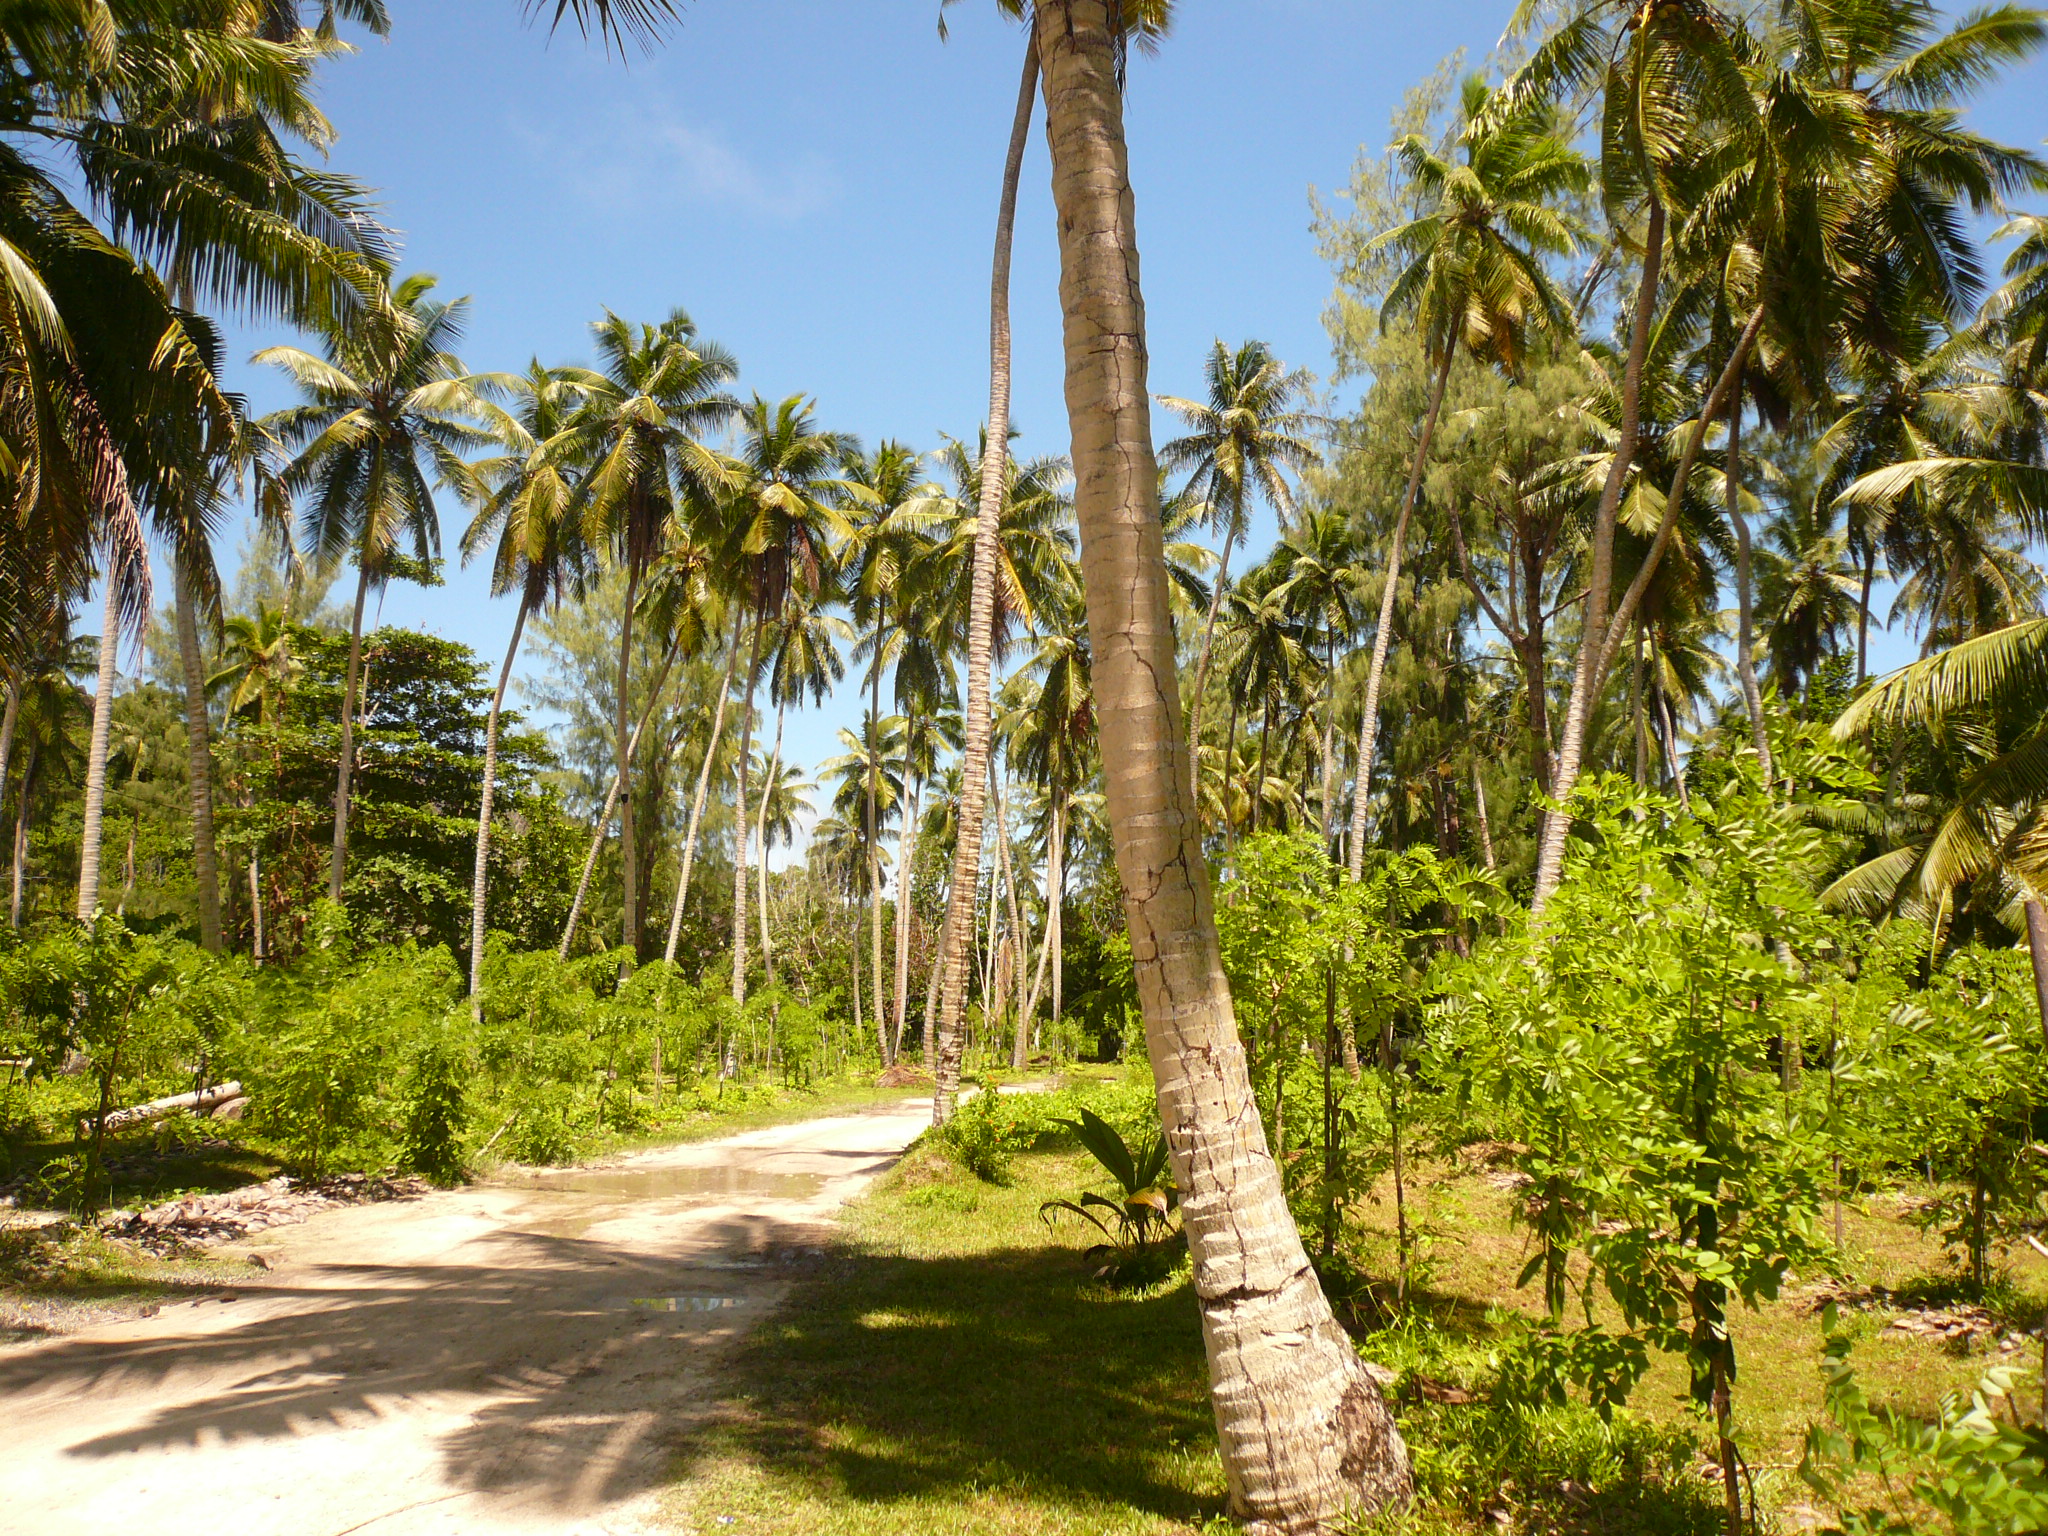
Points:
(1549, 802)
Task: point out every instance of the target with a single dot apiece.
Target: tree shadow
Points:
(584, 1391)
(896, 1380)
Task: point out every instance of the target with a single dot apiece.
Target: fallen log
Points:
(156, 1109)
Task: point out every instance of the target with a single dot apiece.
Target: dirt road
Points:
(511, 1357)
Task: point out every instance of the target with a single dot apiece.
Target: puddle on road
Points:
(697, 1184)
(685, 1303)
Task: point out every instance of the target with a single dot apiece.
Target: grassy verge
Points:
(955, 1369)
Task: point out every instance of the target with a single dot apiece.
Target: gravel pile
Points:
(279, 1202)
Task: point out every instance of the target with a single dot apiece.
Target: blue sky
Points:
(815, 181)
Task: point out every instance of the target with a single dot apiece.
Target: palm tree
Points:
(258, 670)
(1051, 739)
(783, 537)
(869, 771)
(640, 430)
(1807, 590)
(1241, 441)
(385, 413)
(525, 495)
(887, 538)
(1323, 570)
(807, 661)
(1472, 273)
(928, 729)
(1303, 1440)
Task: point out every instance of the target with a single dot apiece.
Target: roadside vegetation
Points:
(1537, 966)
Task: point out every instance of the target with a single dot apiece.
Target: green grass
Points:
(956, 1370)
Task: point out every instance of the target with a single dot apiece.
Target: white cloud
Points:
(626, 155)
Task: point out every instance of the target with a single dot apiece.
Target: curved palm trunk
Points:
(1745, 644)
(628, 862)
(96, 760)
(2037, 952)
(675, 917)
(906, 852)
(1369, 725)
(1202, 670)
(761, 838)
(1302, 1429)
(483, 815)
(959, 928)
(28, 778)
(874, 854)
(9, 719)
(339, 859)
(199, 751)
(739, 863)
(1603, 634)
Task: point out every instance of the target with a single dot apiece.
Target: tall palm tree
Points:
(1472, 273)
(525, 497)
(1241, 442)
(1302, 1440)
(886, 540)
(783, 538)
(387, 412)
(1807, 590)
(1323, 570)
(660, 390)
(930, 728)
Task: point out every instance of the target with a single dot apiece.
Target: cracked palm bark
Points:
(1304, 1435)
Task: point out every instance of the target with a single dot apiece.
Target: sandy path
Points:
(503, 1358)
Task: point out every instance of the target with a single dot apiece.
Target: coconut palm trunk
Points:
(1202, 666)
(199, 749)
(1302, 1429)
(339, 860)
(28, 778)
(875, 854)
(2037, 951)
(1485, 821)
(10, 717)
(1603, 634)
(1745, 603)
(96, 760)
(478, 880)
(675, 917)
(761, 839)
(611, 804)
(628, 862)
(995, 457)
(740, 829)
(906, 852)
(1383, 634)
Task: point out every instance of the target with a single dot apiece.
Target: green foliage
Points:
(1979, 1475)
(1138, 1223)
(984, 1134)
(436, 1105)
(1628, 1044)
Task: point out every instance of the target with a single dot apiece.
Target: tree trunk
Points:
(96, 760)
(1302, 1430)
(761, 836)
(1745, 607)
(959, 926)
(739, 863)
(1329, 744)
(21, 842)
(1638, 738)
(2037, 951)
(1565, 764)
(257, 951)
(906, 852)
(675, 917)
(1369, 726)
(1671, 750)
(1603, 634)
(1863, 622)
(199, 753)
(628, 862)
(611, 801)
(483, 815)
(1202, 669)
(875, 851)
(1485, 821)
(8, 719)
(339, 860)
(1019, 940)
